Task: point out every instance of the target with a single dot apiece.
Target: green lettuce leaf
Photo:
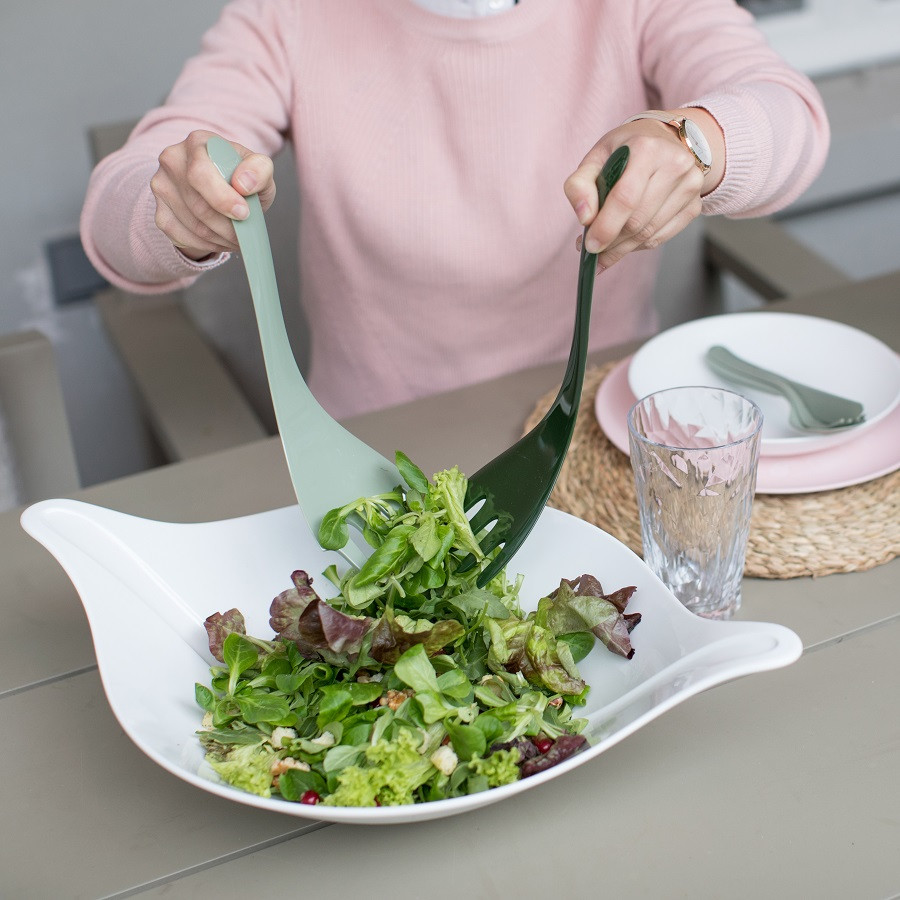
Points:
(449, 490)
(519, 645)
(248, 767)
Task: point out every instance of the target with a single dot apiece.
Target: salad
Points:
(412, 684)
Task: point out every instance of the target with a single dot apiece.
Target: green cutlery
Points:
(811, 408)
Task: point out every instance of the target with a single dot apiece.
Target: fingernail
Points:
(247, 181)
(583, 211)
(240, 211)
(592, 245)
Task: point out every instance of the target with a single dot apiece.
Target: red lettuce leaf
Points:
(219, 626)
(288, 606)
(322, 627)
(299, 615)
(563, 747)
(579, 604)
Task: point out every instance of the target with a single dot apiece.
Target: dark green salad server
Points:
(513, 488)
(327, 463)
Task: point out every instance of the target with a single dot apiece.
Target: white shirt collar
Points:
(466, 9)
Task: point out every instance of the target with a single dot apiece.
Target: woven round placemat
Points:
(791, 535)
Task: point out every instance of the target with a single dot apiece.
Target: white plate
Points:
(147, 586)
(824, 354)
(875, 452)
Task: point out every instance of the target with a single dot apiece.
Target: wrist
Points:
(700, 134)
(195, 256)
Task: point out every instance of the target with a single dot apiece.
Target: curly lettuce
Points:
(246, 766)
(389, 776)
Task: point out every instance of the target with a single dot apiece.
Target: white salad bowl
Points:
(147, 587)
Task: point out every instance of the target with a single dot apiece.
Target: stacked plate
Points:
(818, 352)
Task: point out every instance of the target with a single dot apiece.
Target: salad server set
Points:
(327, 463)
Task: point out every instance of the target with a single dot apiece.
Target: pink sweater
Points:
(436, 246)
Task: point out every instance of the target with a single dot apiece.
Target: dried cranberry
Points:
(310, 798)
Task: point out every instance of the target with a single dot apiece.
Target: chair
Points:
(766, 258)
(37, 458)
(192, 355)
(191, 401)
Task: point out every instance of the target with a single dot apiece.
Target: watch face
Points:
(696, 140)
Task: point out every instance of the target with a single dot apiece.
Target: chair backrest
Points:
(219, 303)
(37, 458)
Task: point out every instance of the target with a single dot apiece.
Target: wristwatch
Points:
(690, 133)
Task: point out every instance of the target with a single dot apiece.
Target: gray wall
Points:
(65, 66)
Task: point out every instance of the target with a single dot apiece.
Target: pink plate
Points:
(874, 453)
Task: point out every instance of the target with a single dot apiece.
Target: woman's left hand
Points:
(659, 193)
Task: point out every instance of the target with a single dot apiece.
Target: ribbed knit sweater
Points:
(436, 246)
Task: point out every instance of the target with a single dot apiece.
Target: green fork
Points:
(514, 487)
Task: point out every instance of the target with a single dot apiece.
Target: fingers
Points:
(196, 207)
(656, 197)
(662, 212)
(189, 224)
(668, 222)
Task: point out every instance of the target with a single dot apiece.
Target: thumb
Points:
(581, 187)
(255, 175)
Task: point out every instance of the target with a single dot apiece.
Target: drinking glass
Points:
(694, 452)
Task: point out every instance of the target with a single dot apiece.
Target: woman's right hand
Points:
(195, 206)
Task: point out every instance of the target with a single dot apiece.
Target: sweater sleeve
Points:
(239, 85)
(710, 54)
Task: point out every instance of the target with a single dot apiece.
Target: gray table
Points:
(785, 784)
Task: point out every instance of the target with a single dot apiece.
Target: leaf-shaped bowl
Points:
(147, 586)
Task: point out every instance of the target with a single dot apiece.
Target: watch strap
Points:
(676, 122)
(655, 114)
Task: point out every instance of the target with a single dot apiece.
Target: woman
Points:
(446, 165)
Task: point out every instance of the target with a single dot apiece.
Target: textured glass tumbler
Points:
(694, 452)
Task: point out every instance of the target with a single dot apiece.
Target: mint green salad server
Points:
(327, 464)
(810, 408)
